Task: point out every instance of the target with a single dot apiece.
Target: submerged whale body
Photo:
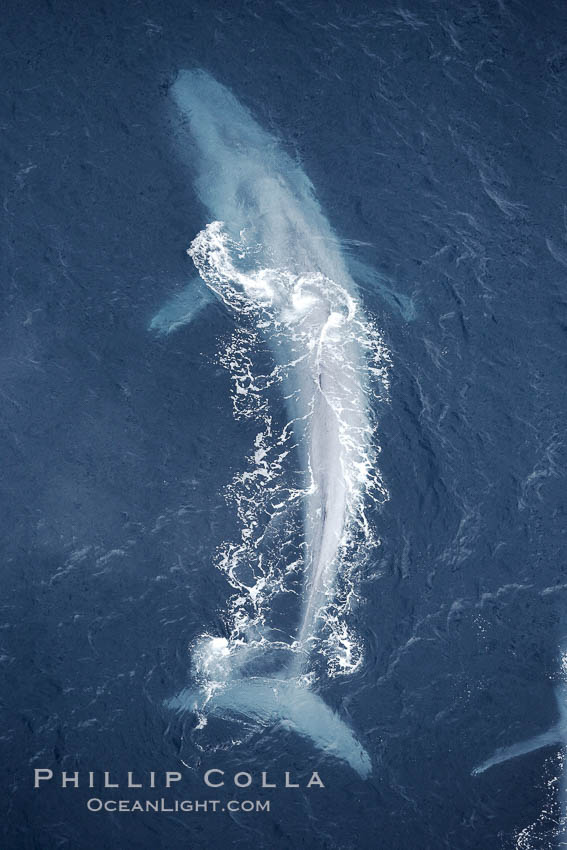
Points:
(269, 254)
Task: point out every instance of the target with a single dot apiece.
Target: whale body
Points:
(270, 254)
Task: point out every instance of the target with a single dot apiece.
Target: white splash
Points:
(271, 257)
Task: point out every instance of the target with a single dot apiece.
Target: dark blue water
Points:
(434, 133)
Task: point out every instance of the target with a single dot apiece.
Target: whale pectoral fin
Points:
(268, 701)
(553, 737)
(368, 278)
(183, 307)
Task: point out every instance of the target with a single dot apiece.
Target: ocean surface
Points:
(434, 135)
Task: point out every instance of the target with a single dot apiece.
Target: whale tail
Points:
(267, 701)
(553, 737)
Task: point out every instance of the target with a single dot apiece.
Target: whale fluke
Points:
(267, 701)
(553, 737)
